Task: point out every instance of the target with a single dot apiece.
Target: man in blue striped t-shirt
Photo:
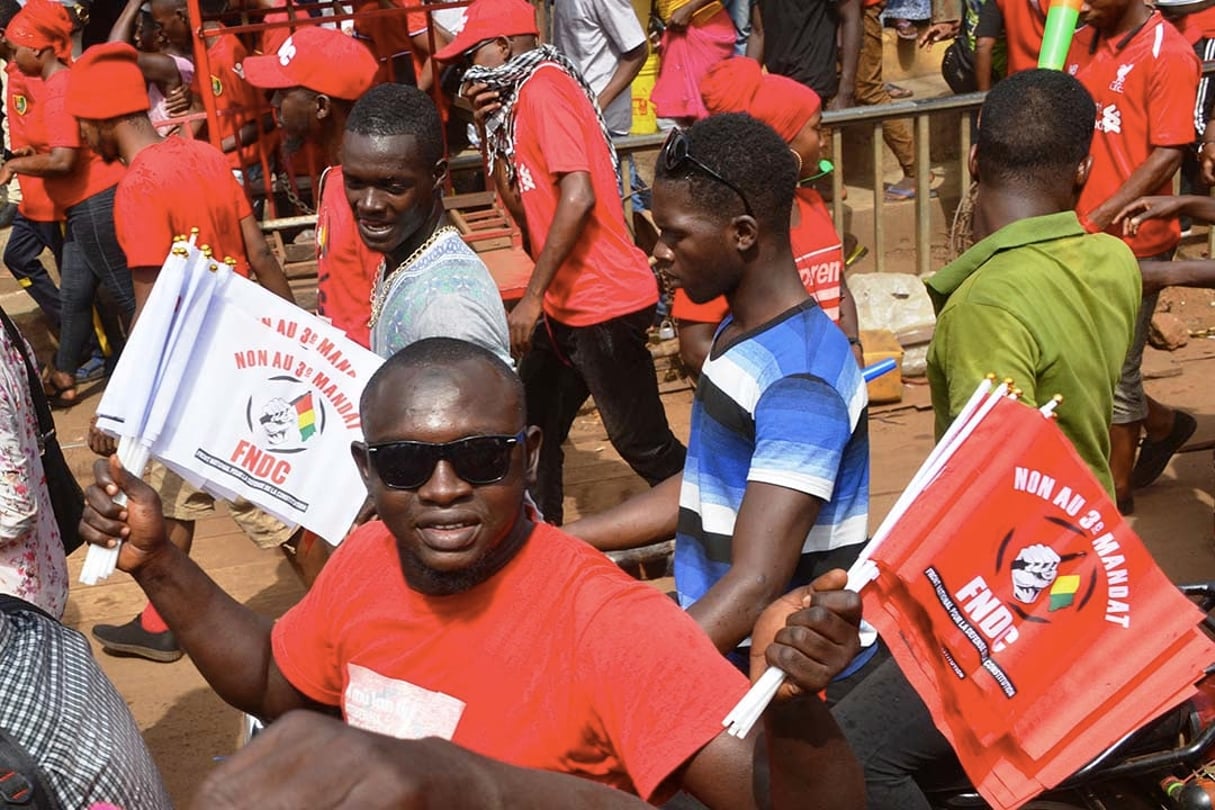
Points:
(775, 490)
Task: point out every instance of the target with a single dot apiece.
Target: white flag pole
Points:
(743, 717)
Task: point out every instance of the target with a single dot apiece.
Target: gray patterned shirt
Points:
(56, 702)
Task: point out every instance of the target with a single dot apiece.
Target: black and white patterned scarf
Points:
(508, 80)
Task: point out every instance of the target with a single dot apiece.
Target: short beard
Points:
(426, 580)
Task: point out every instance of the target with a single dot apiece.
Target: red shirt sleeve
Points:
(562, 131)
(61, 127)
(662, 697)
(1171, 100)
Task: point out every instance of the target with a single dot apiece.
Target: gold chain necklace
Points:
(383, 281)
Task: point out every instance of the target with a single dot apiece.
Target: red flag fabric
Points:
(1027, 614)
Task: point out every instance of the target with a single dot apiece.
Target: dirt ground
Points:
(189, 730)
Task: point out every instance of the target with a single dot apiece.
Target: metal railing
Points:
(919, 110)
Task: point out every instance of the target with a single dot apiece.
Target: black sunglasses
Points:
(675, 156)
(479, 460)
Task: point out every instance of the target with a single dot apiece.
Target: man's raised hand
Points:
(811, 633)
(140, 525)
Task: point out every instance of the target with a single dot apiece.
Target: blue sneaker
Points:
(93, 369)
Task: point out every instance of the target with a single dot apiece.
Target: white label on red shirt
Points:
(399, 709)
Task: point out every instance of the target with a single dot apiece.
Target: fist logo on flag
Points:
(288, 418)
(1033, 571)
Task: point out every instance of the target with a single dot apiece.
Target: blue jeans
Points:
(26, 241)
(740, 14)
(91, 257)
(611, 362)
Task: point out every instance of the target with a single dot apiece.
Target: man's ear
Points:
(324, 106)
(972, 162)
(1083, 170)
(531, 458)
(746, 232)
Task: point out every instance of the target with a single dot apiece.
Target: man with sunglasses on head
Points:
(580, 328)
(776, 486)
(455, 615)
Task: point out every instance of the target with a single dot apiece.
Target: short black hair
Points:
(748, 153)
(444, 353)
(8, 10)
(1034, 129)
(212, 9)
(391, 109)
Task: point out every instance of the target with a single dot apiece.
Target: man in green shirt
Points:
(1036, 298)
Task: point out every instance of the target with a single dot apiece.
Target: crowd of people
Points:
(459, 609)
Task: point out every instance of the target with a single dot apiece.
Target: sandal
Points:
(894, 91)
(59, 396)
(898, 192)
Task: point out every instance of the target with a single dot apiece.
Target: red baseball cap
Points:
(323, 60)
(106, 83)
(489, 19)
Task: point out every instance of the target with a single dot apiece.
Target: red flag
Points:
(1026, 613)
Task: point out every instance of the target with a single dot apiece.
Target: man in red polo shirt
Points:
(580, 327)
(171, 186)
(317, 74)
(1143, 76)
(78, 182)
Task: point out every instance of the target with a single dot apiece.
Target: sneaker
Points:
(1154, 456)
(132, 639)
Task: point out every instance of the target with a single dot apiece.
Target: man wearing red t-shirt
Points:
(592, 290)
(77, 181)
(172, 185)
(456, 616)
(37, 225)
(1144, 77)
(317, 74)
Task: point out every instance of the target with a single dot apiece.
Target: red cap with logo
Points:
(321, 59)
(106, 83)
(490, 19)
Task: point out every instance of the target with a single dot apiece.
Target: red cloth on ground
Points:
(345, 267)
(1145, 94)
(557, 132)
(171, 187)
(819, 255)
(60, 128)
(560, 661)
(687, 55)
(1024, 24)
(739, 85)
(19, 105)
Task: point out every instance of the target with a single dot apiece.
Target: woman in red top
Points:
(78, 182)
(795, 112)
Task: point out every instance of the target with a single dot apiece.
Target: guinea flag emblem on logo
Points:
(217, 87)
(20, 104)
(1063, 592)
